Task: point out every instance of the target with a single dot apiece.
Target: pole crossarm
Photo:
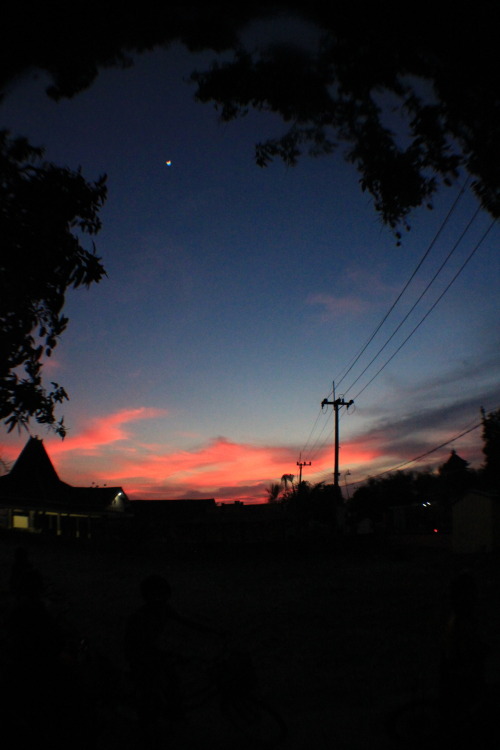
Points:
(300, 464)
(337, 403)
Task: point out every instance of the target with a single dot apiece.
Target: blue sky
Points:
(236, 295)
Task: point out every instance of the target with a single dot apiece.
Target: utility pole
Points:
(337, 403)
(301, 464)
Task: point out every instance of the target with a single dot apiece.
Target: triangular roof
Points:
(33, 475)
(34, 482)
(455, 463)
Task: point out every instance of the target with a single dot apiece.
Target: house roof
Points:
(34, 482)
(33, 475)
(455, 463)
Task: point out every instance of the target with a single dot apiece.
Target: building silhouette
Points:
(34, 499)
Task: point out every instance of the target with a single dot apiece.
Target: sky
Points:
(236, 296)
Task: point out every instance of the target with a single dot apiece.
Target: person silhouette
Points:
(152, 668)
(32, 670)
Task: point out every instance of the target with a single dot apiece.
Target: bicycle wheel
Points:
(256, 721)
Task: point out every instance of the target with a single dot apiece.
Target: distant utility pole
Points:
(301, 464)
(337, 403)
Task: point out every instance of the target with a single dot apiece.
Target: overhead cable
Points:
(403, 290)
(455, 277)
(430, 283)
(418, 458)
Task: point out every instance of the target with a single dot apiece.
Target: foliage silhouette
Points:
(306, 503)
(274, 492)
(44, 212)
(491, 448)
(413, 103)
(374, 498)
(440, 489)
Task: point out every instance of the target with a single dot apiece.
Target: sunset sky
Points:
(236, 295)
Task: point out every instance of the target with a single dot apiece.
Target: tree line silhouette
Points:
(438, 490)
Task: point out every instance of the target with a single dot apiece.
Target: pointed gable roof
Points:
(33, 475)
(454, 464)
(34, 460)
(33, 481)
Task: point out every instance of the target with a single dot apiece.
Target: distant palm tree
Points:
(287, 479)
(280, 491)
(273, 492)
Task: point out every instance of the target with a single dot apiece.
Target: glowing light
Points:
(435, 531)
(168, 163)
(20, 522)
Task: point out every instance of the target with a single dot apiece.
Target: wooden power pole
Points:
(337, 404)
(300, 464)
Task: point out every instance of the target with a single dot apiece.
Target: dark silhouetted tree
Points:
(411, 101)
(274, 492)
(308, 504)
(418, 489)
(45, 210)
(401, 488)
(491, 448)
(286, 480)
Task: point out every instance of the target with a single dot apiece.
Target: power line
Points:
(455, 277)
(405, 287)
(430, 283)
(317, 446)
(314, 449)
(466, 431)
(427, 453)
(312, 430)
(418, 458)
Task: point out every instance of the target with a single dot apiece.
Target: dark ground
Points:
(339, 638)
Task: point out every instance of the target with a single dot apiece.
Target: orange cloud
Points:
(220, 468)
(215, 462)
(106, 452)
(104, 431)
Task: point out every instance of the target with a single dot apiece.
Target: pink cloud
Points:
(368, 290)
(51, 365)
(210, 464)
(107, 452)
(103, 431)
(334, 307)
(220, 468)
